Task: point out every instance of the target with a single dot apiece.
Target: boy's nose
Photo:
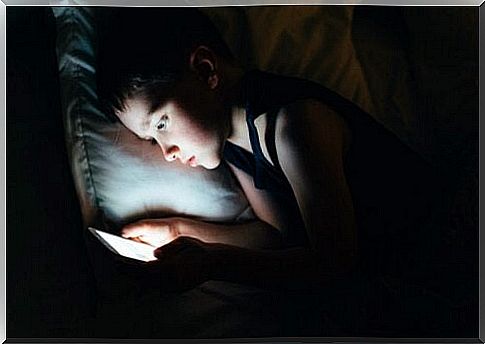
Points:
(172, 153)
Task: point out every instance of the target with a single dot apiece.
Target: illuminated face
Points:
(190, 130)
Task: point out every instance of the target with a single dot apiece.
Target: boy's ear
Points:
(203, 61)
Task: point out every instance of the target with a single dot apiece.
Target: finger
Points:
(139, 228)
(138, 239)
(172, 248)
(131, 232)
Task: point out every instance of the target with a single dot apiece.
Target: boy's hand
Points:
(182, 264)
(155, 232)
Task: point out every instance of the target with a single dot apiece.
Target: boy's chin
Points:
(210, 165)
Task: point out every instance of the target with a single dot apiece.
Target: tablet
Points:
(125, 247)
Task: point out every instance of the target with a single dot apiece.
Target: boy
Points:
(335, 193)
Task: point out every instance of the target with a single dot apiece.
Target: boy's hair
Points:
(145, 51)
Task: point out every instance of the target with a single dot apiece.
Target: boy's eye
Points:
(162, 125)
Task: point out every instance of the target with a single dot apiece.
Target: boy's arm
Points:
(255, 234)
(311, 141)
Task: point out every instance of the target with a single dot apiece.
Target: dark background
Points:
(50, 285)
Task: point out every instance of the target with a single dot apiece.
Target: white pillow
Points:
(116, 174)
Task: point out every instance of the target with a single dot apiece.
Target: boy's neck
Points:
(239, 133)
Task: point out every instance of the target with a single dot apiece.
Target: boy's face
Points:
(190, 127)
